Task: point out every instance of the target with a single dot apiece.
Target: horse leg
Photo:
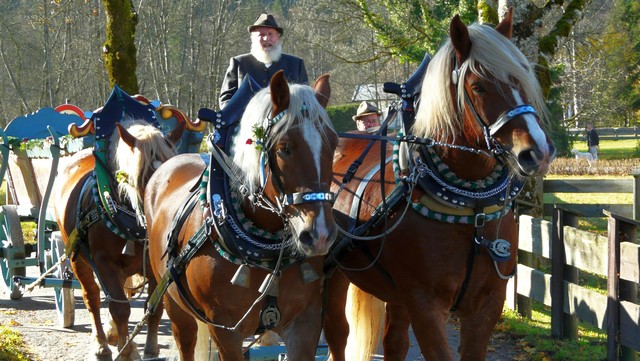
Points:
(111, 330)
(229, 344)
(120, 311)
(429, 322)
(183, 327)
(396, 336)
(151, 348)
(335, 324)
(476, 326)
(99, 348)
(301, 336)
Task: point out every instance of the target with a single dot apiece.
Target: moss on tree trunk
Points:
(119, 50)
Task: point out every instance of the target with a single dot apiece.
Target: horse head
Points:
(137, 150)
(489, 97)
(288, 157)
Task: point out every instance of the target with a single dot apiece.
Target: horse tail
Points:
(365, 314)
(205, 347)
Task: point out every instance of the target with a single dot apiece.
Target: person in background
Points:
(593, 141)
(264, 60)
(367, 118)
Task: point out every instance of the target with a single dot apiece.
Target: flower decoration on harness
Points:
(260, 132)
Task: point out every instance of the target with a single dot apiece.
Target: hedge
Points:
(341, 116)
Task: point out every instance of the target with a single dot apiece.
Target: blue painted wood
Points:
(34, 125)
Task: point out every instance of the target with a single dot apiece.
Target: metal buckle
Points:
(479, 220)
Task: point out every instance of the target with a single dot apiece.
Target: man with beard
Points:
(264, 60)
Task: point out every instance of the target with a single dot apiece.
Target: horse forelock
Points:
(139, 163)
(492, 55)
(303, 110)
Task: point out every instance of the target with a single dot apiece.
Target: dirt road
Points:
(35, 317)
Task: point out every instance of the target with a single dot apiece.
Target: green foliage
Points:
(408, 29)
(12, 347)
(341, 116)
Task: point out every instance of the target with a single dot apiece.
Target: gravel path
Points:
(34, 316)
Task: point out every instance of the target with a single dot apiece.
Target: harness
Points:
(238, 241)
(118, 217)
(448, 199)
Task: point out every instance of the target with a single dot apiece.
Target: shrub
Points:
(341, 116)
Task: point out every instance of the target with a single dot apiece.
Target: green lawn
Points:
(614, 149)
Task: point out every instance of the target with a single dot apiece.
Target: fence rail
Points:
(609, 133)
(630, 185)
(570, 251)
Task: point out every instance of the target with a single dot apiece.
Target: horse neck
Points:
(263, 218)
(465, 164)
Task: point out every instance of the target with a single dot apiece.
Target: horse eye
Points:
(283, 150)
(478, 89)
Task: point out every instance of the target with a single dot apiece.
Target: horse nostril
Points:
(305, 238)
(529, 159)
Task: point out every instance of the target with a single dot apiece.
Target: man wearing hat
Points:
(367, 118)
(264, 60)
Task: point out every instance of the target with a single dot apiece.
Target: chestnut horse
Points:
(448, 244)
(136, 149)
(283, 151)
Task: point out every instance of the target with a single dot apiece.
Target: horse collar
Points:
(499, 188)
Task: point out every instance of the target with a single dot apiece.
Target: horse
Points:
(444, 240)
(283, 151)
(136, 149)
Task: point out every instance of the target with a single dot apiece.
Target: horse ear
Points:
(279, 93)
(460, 39)
(506, 25)
(175, 135)
(126, 137)
(322, 88)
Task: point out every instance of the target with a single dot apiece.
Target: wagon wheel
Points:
(65, 302)
(12, 240)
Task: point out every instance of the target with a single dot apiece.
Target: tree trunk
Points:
(119, 51)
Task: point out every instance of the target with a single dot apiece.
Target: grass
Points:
(532, 338)
(614, 149)
(12, 347)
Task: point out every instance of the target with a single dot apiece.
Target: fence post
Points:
(613, 306)
(562, 325)
(628, 291)
(636, 194)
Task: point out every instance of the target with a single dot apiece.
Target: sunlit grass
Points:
(12, 347)
(614, 149)
(533, 337)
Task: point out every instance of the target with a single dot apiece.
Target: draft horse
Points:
(277, 181)
(446, 241)
(132, 152)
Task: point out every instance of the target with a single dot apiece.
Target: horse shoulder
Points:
(172, 181)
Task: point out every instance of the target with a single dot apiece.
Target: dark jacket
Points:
(592, 138)
(239, 66)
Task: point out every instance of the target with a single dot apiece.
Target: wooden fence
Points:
(571, 251)
(609, 133)
(630, 185)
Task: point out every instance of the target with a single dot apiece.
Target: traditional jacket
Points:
(239, 66)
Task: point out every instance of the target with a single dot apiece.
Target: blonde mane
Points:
(491, 54)
(303, 107)
(137, 164)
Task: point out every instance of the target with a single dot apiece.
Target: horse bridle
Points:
(285, 199)
(490, 129)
